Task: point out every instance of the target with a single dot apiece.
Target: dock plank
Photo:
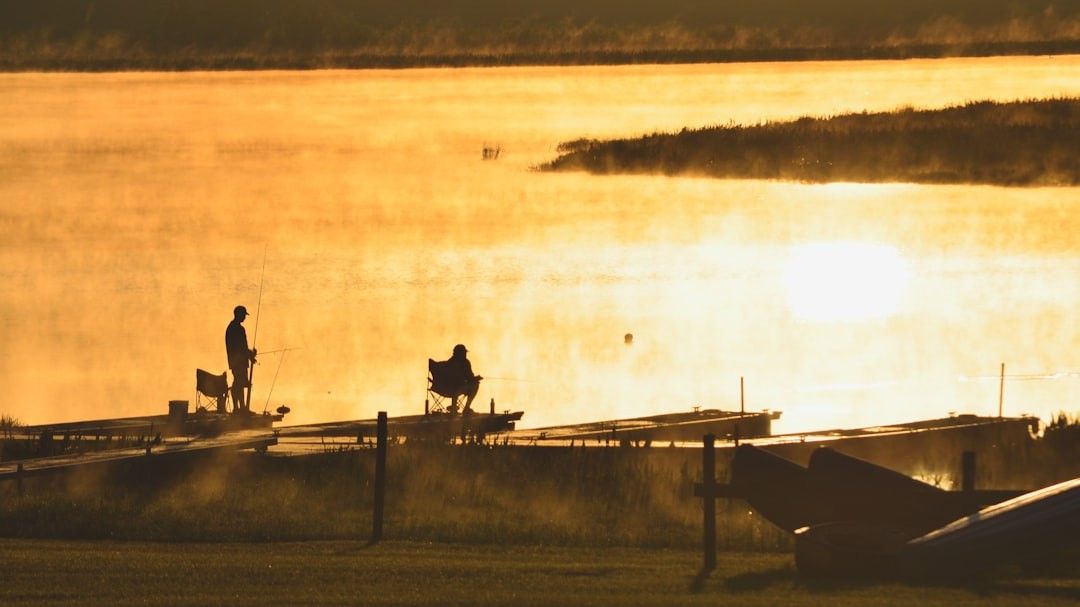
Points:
(45, 465)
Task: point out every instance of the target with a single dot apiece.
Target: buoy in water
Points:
(628, 338)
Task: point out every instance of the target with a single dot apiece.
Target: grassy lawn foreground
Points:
(47, 572)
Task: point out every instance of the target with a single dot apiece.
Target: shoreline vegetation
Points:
(1022, 143)
(107, 56)
(471, 494)
(108, 35)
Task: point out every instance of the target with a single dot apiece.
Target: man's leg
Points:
(471, 389)
(247, 389)
(239, 382)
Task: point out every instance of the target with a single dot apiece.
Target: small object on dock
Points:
(178, 410)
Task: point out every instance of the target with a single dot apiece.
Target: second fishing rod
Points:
(255, 337)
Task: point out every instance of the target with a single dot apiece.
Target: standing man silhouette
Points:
(240, 357)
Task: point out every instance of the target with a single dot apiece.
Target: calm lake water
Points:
(135, 210)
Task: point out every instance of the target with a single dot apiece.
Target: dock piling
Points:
(967, 472)
(742, 397)
(708, 474)
(380, 479)
(1001, 393)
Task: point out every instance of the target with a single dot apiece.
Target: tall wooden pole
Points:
(380, 479)
(1001, 392)
(742, 398)
(708, 474)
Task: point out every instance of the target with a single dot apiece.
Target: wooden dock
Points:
(670, 427)
(442, 427)
(200, 423)
(892, 444)
(17, 470)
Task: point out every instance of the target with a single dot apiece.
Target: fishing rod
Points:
(1024, 376)
(280, 350)
(274, 382)
(255, 337)
(529, 381)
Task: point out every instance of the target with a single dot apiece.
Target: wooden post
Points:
(708, 474)
(1001, 392)
(967, 472)
(742, 397)
(380, 479)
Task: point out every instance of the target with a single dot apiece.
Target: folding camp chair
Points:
(210, 390)
(443, 390)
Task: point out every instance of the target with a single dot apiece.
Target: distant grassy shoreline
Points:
(77, 59)
(1023, 143)
(105, 35)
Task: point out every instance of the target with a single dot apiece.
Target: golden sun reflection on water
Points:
(845, 281)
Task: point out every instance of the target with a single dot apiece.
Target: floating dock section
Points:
(17, 470)
(201, 423)
(442, 427)
(671, 427)
(903, 445)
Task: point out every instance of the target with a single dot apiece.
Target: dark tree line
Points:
(89, 34)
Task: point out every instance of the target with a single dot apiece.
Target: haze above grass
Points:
(194, 34)
(1018, 144)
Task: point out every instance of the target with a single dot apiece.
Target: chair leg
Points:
(435, 403)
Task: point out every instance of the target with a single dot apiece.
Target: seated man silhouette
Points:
(454, 377)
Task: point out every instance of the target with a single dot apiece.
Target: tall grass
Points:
(112, 34)
(468, 494)
(9, 425)
(522, 495)
(1020, 143)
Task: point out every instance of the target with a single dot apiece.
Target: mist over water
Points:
(135, 209)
